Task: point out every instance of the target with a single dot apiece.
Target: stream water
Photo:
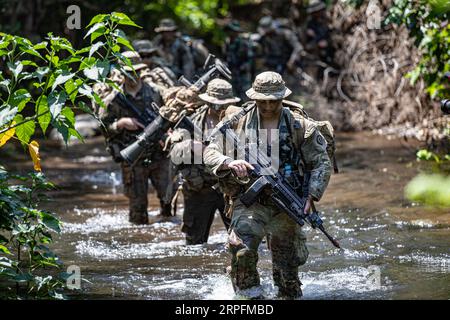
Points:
(392, 248)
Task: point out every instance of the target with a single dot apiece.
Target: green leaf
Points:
(84, 50)
(86, 90)
(7, 114)
(95, 47)
(25, 277)
(123, 19)
(125, 43)
(103, 67)
(50, 221)
(15, 68)
(41, 107)
(84, 107)
(25, 130)
(98, 18)
(4, 249)
(41, 72)
(5, 84)
(98, 26)
(40, 45)
(5, 262)
(56, 101)
(72, 88)
(76, 134)
(31, 51)
(91, 73)
(29, 63)
(20, 98)
(69, 115)
(98, 100)
(62, 78)
(87, 63)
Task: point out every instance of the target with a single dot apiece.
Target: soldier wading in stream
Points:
(302, 148)
(120, 128)
(201, 195)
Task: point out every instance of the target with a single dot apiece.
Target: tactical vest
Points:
(291, 134)
(195, 175)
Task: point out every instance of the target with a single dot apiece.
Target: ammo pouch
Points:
(193, 176)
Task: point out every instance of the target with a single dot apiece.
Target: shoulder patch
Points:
(320, 141)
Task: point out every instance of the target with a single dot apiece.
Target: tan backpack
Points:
(325, 128)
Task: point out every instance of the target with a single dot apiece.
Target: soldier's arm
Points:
(188, 63)
(214, 159)
(297, 48)
(316, 160)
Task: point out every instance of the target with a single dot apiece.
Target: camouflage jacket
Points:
(178, 57)
(302, 148)
(280, 47)
(239, 55)
(194, 174)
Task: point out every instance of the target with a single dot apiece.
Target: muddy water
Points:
(393, 249)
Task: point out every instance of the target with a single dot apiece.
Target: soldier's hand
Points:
(290, 66)
(308, 205)
(239, 167)
(131, 124)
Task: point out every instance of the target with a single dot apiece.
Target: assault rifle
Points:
(159, 125)
(273, 184)
(213, 68)
(145, 116)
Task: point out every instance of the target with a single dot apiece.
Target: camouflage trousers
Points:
(286, 241)
(199, 209)
(135, 181)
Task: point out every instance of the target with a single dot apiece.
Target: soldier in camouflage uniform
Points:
(201, 195)
(159, 72)
(239, 58)
(280, 47)
(173, 49)
(302, 148)
(121, 128)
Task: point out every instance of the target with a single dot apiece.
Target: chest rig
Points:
(289, 156)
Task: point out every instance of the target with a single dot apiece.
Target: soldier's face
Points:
(168, 35)
(269, 108)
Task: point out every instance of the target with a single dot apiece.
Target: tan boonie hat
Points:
(315, 6)
(144, 46)
(268, 85)
(135, 59)
(166, 25)
(219, 91)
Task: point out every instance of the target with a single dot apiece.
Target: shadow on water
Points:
(393, 249)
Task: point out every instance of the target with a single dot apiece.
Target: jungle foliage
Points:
(41, 85)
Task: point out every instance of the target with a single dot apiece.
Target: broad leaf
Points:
(24, 130)
(95, 47)
(4, 137)
(42, 108)
(20, 98)
(7, 114)
(62, 78)
(56, 101)
(33, 148)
